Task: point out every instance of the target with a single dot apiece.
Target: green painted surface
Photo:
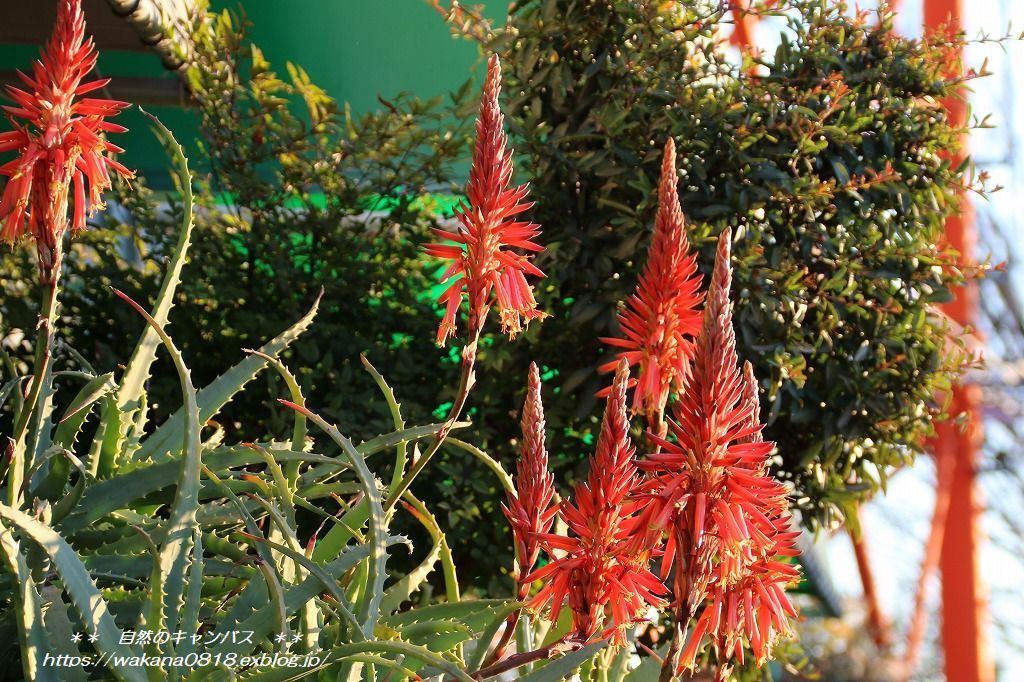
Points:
(354, 49)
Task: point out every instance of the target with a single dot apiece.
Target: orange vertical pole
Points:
(964, 608)
(929, 564)
(878, 626)
(743, 29)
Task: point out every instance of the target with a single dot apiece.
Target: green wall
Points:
(356, 49)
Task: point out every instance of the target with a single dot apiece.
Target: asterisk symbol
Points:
(76, 637)
(280, 637)
(296, 637)
(94, 637)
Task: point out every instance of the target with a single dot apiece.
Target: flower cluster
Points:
(662, 317)
(607, 583)
(59, 138)
(725, 518)
(483, 269)
(529, 509)
(704, 503)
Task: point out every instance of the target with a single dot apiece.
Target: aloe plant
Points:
(161, 530)
(128, 528)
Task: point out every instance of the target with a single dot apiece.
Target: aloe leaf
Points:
(451, 579)
(381, 662)
(563, 666)
(483, 642)
(259, 621)
(84, 595)
(138, 568)
(41, 429)
(388, 441)
(355, 651)
(52, 480)
(286, 524)
(213, 397)
(282, 487)
(57, 621)
(328, 581)
(189, 621)
(437, 635)
(28, 606)
(109, 438)
(299, 430)
(338, 536)
(276, 593)
(475, 614)
(86, 366)
(618, 667)
(70, 426)
(129, 417)
(369, 607)
(119, 491)
(250, 522)
(252, 598)
(178, 549)
(75, 415)
(64, 505)
(152, 620)
(401, 450)
(8, 388)
(411, 582)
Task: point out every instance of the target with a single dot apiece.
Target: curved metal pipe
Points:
(160, 25)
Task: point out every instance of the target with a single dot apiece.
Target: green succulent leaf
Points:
(559, 668)
(28, 605)
(163, 442)
(91, 606)
(128, 420)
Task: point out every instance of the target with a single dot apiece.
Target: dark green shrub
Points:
(830, 164)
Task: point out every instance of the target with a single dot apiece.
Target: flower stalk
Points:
(605, 580)
(55, 182)
(662, 317)
(529, 509)
(724, 517)
(483, 269)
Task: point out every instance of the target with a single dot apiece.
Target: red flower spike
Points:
(726, 518)
(662, 317)
(606, 582)
(59, 140)
(483, 269)
(529, 511)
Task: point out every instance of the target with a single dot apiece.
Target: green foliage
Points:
(218, 552)
(299, 195)
(831, 165)
(313, 197)
(134, 502)
(171, 531)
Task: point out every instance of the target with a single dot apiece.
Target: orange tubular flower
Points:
(726, 517)
(663, 316)
(530, 512)
(59, 138)
(483, 268)
(608, 584)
